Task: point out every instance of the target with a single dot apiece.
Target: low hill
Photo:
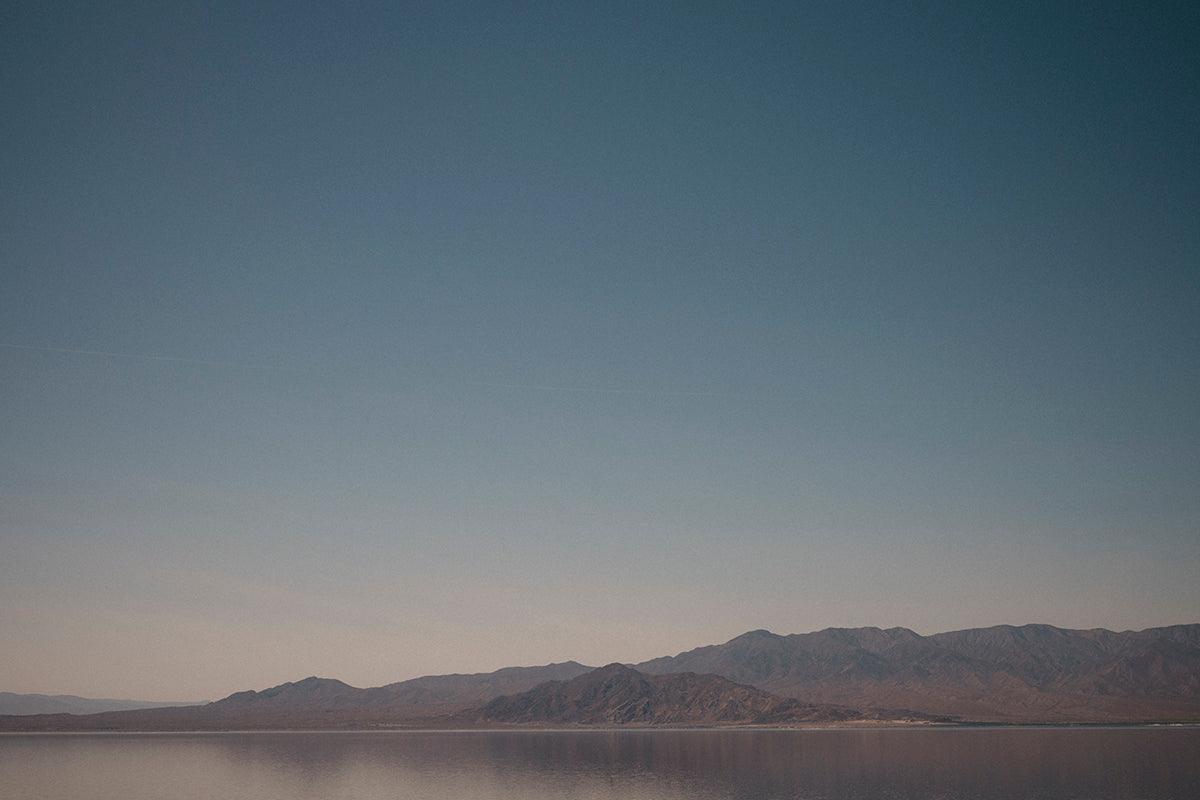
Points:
(24, 704)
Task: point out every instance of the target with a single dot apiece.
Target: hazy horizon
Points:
(386, 342)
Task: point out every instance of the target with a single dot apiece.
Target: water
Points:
(951, 764)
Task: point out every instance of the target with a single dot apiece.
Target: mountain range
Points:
(11, 703)
(620, 695)
(1007, 674)
(1027, 673)
(313, 702)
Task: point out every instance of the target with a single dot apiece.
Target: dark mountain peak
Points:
(304, 693)
(615, 668)
(846, 635)
(313, 682)
(755, 635)
(1031, 629)
(902, 633)
(846, 640)
(854, 634)
(309, 684)
(617, 694)
(609, 679)
(237, 697)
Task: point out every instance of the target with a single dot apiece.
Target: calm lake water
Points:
(632, 765)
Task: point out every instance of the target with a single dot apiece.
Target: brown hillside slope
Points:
(1028, 673)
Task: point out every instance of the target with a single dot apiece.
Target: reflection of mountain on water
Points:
(711, 764)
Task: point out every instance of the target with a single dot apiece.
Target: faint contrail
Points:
(143, 357)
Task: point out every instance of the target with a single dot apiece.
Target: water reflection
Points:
(708, 765)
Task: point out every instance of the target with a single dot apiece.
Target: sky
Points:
(397, 339)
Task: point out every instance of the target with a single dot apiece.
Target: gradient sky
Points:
(384, 341)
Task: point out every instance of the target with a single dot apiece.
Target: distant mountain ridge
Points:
(443, 692)
(620, 695)
(418, 698)
(1026, 673)
(316, 702)
(25, 704)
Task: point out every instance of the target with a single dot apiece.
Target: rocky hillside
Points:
(1028, 673)
(619, 695)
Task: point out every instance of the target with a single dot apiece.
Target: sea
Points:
(954, 763)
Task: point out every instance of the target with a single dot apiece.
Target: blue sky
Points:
(382, 341)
